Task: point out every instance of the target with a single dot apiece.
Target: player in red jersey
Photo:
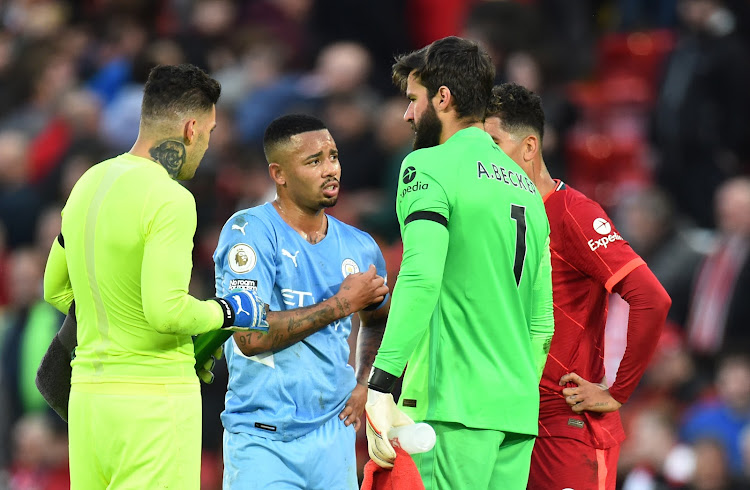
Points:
(579, 424)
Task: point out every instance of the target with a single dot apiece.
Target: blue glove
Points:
(243, 311)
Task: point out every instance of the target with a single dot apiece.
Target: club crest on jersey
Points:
(348, 266)
(242, 258)
(602, 226)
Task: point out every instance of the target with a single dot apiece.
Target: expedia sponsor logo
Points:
(246, 284)
(604, 241)
(409, 174)
(417, 186)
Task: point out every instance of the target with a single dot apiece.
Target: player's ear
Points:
(277, 173)
(531, 147)
(443, 98)
(188, 131)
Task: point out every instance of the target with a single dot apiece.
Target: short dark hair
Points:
(284, 127)
(460, 64)
(172, 89)
(517, 107)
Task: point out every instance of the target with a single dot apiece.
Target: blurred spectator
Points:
(206, 42)
(652, 458)
(720, 311)
(40, 453)
(711, 470)
(20, 202)
(646, 14)
(723, 417)
(657, 233)
(121, 118)
(533, 72)
(75, 119)
(29, 325)
(123, 39)
(700, 122)
(395, 137)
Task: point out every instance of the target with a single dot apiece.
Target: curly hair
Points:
(518, 108)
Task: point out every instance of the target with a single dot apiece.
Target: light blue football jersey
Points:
(284, 395)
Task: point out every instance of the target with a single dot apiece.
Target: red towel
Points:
(403, 476)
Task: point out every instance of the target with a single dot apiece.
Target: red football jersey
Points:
(589, 257)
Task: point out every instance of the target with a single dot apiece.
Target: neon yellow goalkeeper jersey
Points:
(125, 254)
(473, 290)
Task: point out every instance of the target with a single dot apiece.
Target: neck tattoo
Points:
(171, 155)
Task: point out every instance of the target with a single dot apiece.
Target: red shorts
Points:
(560, 463)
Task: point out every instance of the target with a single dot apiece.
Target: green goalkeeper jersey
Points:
(125, 254)
(474, 290)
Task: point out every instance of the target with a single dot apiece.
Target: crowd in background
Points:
(648, 112)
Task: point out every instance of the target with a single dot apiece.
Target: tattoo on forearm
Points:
(368, 343)
(171, 155)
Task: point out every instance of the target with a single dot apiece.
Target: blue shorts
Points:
(321, 459)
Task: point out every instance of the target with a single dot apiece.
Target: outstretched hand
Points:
(587, 396)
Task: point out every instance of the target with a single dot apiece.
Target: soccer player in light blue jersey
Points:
(293, 402)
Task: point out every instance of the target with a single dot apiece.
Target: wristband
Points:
(227, 310)
(381, 381)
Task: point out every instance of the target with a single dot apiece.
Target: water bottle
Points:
(413, 438)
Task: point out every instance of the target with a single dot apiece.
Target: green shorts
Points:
(465, 458)
(134, 436)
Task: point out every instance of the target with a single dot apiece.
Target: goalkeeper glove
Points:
(206, 370)
(382, 415)
(243, 311)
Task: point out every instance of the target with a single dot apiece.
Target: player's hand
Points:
(587, 396)
(361, 289)
(206, 371)
(355, 405)
(382, 415)
(249, 311)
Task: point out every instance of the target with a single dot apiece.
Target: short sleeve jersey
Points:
(283, 395)
(474, 364)
(128, 239)
(589, 257)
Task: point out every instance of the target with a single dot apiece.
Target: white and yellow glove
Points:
(382, 415)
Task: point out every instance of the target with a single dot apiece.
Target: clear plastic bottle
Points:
(413, 438)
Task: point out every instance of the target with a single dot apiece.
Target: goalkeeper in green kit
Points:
(472, 308)
(125, 256)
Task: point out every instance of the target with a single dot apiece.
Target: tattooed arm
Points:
(371, 329)
(290, 326)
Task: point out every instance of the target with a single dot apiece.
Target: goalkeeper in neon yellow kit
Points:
(124, 255)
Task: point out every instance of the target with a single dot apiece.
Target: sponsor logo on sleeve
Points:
(238, 227)
(409, 174)
(603, 227)
(242, 258)
(246, 284)
(348, 266)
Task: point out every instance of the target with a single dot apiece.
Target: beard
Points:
(428, 129)
(329, 202)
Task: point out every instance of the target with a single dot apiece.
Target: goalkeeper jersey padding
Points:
(472, 361)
